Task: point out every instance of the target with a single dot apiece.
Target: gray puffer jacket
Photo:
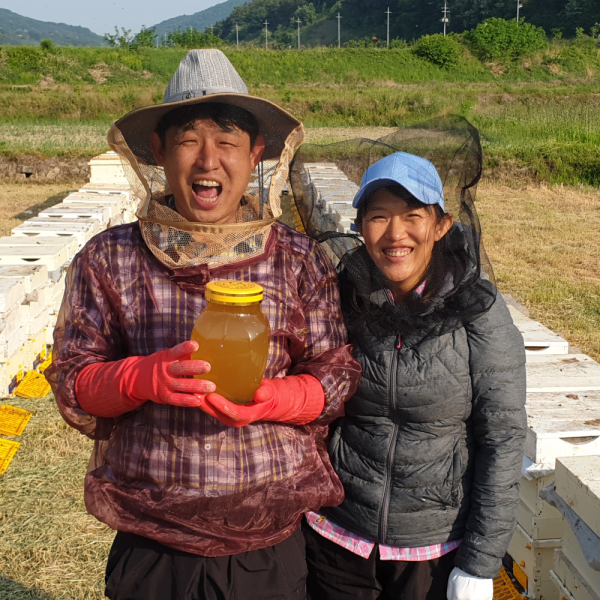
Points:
(430, 448)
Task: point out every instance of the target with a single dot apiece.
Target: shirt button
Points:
(207, 447)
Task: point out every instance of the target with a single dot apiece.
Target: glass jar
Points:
(233, 336)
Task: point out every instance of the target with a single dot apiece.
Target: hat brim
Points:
(274, 123)
(377, 184)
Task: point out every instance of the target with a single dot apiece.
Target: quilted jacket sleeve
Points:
(497, 362)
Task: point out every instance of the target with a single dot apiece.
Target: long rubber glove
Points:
(114, 388)
(298, 399)
(462, 586)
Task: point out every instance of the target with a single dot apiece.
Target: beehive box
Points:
(10, 322)
(36, 345)
(12, 293)
(107, 169)
(562, 424)
(572, 550)
(33, 276)
(78, 211)
(537, 338)
(578, 484)
(569, 581)
(535, 559)
(107, 188)
(12, 370)
(54, 257)
(14, 343)
(539, 527)
(113, 205)
(529, 494)
(119, 199)
(70, 242)
(555, 373)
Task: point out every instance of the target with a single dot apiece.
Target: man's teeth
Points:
(398, 253)
(208, 183)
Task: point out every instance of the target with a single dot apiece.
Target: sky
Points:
(101, 16)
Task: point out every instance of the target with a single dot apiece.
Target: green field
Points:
(538, 115)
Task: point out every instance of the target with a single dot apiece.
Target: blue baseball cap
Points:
(413, 173)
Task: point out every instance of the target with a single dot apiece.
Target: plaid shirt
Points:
(363, 547)
(176, 474)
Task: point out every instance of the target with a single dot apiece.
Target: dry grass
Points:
(544, 245)
(22, 201)
(50, 548)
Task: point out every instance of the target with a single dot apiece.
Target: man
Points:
(206, 496)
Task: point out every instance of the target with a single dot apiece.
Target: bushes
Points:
(438, 50)
(499, 40)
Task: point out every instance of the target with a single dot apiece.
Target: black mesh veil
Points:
(460, 281)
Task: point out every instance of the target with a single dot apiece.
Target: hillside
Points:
(200, 20)
(408, 19)
(17, 30)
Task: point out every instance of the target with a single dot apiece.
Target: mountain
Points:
(200, 20)
(16, 30)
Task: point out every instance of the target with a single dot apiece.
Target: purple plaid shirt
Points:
(176, 474)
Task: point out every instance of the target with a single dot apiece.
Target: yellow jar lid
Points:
(234, 292)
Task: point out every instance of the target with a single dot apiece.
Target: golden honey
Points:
(233, 336)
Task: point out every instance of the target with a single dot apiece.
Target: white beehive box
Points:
(107, 188)
(70, 242)
(78, 211)
(529, 494)
(539, 527)
(81, 231)
(113, 206)
(569, 581)
(555, 373)
(16, 341)
(120, 199)
(572, 550)
(54, 257)
(12, 293)
(578, 484)
(562, 424)
(537, 338)
(12, 370)
(107, 169)
(535, 559)
(10, 322)
(33, 276)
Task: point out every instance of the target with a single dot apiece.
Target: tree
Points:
(122, 40)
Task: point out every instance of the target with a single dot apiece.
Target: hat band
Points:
(199, 93)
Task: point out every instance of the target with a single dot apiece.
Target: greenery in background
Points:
(438, 49)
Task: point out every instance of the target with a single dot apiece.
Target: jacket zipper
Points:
(385, 505)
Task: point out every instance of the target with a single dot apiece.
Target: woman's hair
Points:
(437, 268)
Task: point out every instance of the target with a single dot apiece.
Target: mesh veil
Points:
(460, 280)
(179, 243)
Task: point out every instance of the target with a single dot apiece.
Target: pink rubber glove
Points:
(114, 388)
(298, 399)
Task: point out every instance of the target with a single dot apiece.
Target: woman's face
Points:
(400, 239)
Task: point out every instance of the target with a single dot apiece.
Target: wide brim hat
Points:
(207, 76)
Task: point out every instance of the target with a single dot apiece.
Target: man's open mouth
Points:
(207, 190)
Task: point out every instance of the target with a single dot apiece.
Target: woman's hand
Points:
(462, 586)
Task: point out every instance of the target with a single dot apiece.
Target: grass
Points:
(543, 243)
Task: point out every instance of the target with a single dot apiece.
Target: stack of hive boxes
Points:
(332, 194)
(35, 258)
(576, 569)
(563, 395)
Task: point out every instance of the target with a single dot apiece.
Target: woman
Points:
(430, 448)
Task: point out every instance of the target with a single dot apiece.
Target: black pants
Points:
(141, 569)
(335, 573)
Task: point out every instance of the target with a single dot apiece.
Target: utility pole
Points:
(388, 13)
(212, 29)
(298, 21)
(339, 37)
(266, 34)
(237, 35)
(445, 19)
(519, 7)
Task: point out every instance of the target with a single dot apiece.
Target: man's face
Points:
(208, 169)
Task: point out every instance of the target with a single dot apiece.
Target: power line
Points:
(388, 13)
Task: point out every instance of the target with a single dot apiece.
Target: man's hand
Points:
(462, 586)
(296, 400)
(166, 377)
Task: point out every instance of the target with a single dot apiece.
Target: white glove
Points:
(462, 586)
